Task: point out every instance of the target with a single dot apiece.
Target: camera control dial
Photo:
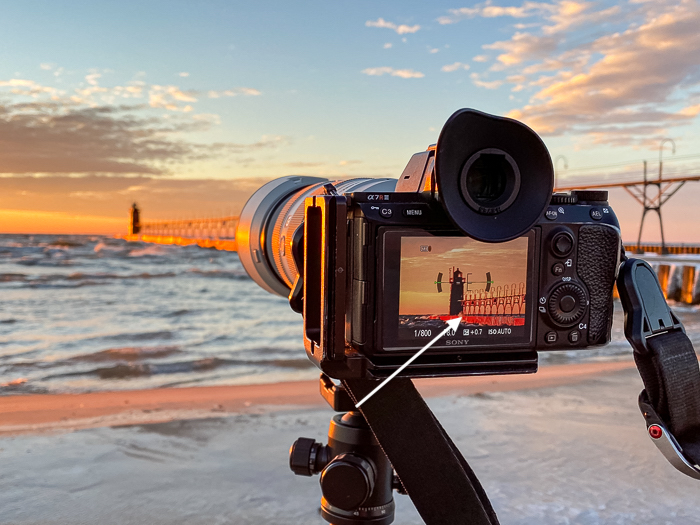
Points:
(567, 303)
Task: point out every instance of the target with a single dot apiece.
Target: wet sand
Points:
(56, 412)
(566, 446)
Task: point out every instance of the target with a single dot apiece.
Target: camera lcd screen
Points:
(443, 277)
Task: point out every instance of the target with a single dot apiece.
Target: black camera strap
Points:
(431, 468)
(668, 365)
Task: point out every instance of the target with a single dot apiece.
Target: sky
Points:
(186, 107)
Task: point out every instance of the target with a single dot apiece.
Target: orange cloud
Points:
(623, 88)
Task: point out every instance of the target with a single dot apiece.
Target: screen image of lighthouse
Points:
(445, 277)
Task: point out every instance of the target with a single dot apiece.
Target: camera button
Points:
(567, 303)
(574, 336)
(562, 244)
(413, 212)
(558, 269)
(550, 337)
(596, 214)
(386, 212)
(551, 214)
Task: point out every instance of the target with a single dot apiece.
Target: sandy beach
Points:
(64, 412)
(564, 446)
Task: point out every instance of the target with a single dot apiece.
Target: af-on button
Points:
(551, 214)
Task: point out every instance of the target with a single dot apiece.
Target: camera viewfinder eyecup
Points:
(494, 175)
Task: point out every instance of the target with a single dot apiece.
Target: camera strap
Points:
(668, 365)
(431, 468)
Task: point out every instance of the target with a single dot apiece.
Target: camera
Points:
(471, 229)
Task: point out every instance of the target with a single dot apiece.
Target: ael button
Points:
(596, 214)
(562, 244)
(550, 337)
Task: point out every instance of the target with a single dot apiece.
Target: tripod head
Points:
(357, 479)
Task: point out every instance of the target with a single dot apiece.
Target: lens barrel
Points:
(271, 216)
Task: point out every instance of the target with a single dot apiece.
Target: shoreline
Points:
(40, 413)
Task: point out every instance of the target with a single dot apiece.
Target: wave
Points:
(103, 246)
(130, 370)
(92, 278)
(220, 274)
(153, 250)
(128, 353)
(140, 336)
(65, 243)
(12, 277)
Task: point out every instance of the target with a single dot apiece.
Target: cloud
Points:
(555, 17)
(449, 68)
(400, 29)
(523, 46)
(250, 92)
(625, 86)
(46, 67)
(481, 58)
(388, 45)
(402, 73)
(55, 137)
(28, 88)
(488, 10)
(168, 97)
(184, 74)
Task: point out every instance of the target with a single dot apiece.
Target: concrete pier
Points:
(677, 266)
(679, 276)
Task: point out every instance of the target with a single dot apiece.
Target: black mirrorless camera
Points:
(470, 230)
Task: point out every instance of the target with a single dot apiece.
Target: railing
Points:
(219, 228)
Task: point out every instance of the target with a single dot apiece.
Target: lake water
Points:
(86, 313)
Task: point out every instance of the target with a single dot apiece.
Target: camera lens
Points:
(271, 216)
(490, 181)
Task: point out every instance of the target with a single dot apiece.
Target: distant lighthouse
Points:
(134, 220)
(456, 292)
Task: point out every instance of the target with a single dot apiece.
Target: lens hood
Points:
(494, 175)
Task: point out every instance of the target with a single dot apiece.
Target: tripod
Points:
(396, 429)
(357, 479)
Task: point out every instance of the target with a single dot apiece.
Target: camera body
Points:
(568, 262)
(471, 230)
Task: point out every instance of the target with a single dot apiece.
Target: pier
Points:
(676, 265)
(219, 233)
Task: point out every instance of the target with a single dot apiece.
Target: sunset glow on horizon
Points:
(188, 108)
